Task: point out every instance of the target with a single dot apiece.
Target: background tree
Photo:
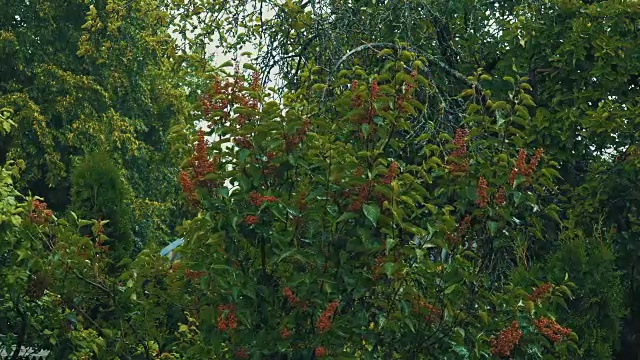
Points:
(85, 77)
(99, 192)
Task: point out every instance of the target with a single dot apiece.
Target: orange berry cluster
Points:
(188, 187)
(375, 89)
(200, 165)
(257, 199)
(391, 174)
(285, 333)
(193, 275)
(227, 319)
(356, 101)
(501, 197)
(293, 299)
(269, 167)
(320, 351)
(483, 196)
(40, 215)
(363, 195)
(242, 353)
(524, 169)
(225, 95)
(506, 341)
(251, 219)
(243, 142)
(461, 165)
(551, 330)
(325, 321)
(200, 161)
(540, 291)
(364, 191)
(461, 230)
(430, 312)
(293, 141)
(460, 143)
(255, 81)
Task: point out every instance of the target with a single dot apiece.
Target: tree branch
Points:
(432, 59)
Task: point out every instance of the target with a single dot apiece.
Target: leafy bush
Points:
(99, 192)
(332, 243)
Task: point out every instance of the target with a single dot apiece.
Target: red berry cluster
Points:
(430, 312)
(251, 219)
(364, 191)
(325, 321)
(285, 333)
(293, 299)
(243, 142)
(188, 187)
(39, 214)
(460, 143)
(225, 95)
(320, 351)
(292, 141)
(268, 167)
(200, 165)
(200, 162)
(242, 353)
(551, 330)
(461, 230)
(371, 112)
(461, 163)
(227, 319)
(483, 196)
(193, 275)
(255, 81)
(506, 341)
(356, 101)
(256, 199)
(375, 90)
(391, 173)
(540, 292)
(501, 196)
(524, 169)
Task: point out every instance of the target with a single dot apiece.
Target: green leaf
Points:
(409, 324)
(493, 227)
(318, 87)
(346, 216)
(389, 268)
(249, 67)
(227, 63)
(372, 212)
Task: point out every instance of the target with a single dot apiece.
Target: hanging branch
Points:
(432, 59)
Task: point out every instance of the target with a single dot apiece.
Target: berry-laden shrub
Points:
(99, 192)
(333, 242)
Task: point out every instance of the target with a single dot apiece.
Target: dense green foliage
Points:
(426, 179)
(99, 192)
